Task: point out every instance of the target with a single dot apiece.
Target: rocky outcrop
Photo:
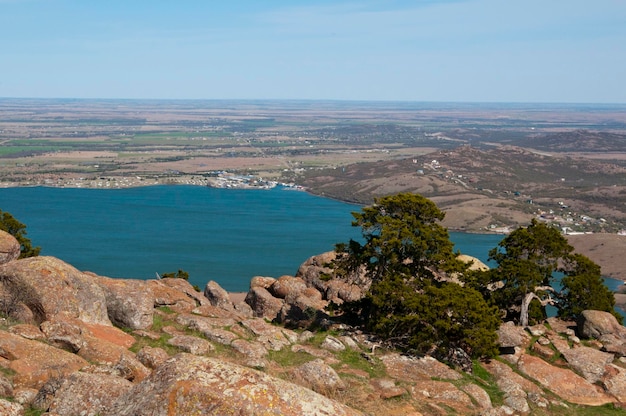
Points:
(72, 360)
(595, 324)
(34, 362)
(320, 377)
(129, 304)
(217, 296)
(48, 287)
(563, 382)
(187, 384)
(10, 248)
(263, 304)
(317, 273)
(82, 394)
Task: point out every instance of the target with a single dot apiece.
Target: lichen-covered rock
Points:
(511, 335)
(164, 294)
(588, 362)
(83, 394)
(8, 408)
(10, 248)
(191, 344)
(320, 376)
(287, 287)
(117, 359)
(442, 393)
(333, 344)
(563, 382)
(271, 337)
(414, 369)
(595, 324)
(152, 357)
(64, 335)
(386, 388)
(211, 328)
(27, 331)
(516, 388)
(302, 311)
(6, 388)
(188, 384)
(317, 273)
(479, 395)
(614, 382)
(315, 270)
(129, 302)
(217, 296)
(56, 288)
(253, 352)
(263, 304)
(35, 362)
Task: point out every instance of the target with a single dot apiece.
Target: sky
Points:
(563, 51)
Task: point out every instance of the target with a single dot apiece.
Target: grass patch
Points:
(486, 381)
(355, 359)
(31, 411)
(287, 358)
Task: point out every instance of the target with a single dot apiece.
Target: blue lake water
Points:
(214, 234)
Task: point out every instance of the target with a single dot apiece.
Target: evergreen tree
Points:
(408, 254)
(11, 225)
(522, 284)
(583, 288)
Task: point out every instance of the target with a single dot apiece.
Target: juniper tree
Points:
(11, 225)
(409, 257)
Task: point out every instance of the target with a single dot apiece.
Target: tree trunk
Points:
(523, 319)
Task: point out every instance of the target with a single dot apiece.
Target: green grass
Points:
(355, 359)
(486, 381)
(287, 358)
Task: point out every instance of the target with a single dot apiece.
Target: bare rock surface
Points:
(320, 376)
(263, 304)
(516, 388)
(8, 408)
(84, 394)
(588, 362)
(188, 384)
(56, 288)
(511, 335)
(10, 248)
(152, 357)
(595, 324)
(287, 287)
(191, 344)
(217, 296)
(416, 369)
(443, 393)
(164, 295)
(129, 303)
(35, 362)
(563, 382)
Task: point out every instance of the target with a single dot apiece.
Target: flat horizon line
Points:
(319, 100)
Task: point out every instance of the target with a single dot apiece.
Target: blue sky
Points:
(418, 50)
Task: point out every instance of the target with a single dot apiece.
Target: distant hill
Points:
(576, 141)
(504, 179)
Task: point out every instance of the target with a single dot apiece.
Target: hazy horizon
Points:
(459, 51)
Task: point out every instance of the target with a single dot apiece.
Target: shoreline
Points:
(603, 248)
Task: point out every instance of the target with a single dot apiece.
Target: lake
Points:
(224, 235)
